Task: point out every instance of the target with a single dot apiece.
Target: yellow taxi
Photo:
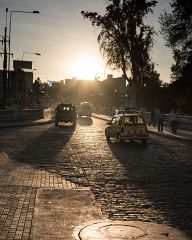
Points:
(127, 126)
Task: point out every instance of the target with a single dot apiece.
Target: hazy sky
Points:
(67, 42)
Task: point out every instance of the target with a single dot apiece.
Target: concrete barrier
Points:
(20, 115)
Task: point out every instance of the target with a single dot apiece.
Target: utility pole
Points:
(4, 74)
(5, 70)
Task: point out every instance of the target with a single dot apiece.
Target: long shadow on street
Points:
(131, 181)
(161, 174)
(46, 149)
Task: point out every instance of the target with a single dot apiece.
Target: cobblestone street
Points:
(130, 181)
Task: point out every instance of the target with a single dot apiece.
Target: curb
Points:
(167, 135)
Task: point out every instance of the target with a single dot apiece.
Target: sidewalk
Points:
(181, 134)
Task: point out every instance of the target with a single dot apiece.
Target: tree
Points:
(177, 30)
(35, 88)
(124, 40)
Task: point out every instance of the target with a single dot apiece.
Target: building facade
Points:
(18, 87)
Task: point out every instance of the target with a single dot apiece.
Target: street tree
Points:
(124, 39)
(176, 28)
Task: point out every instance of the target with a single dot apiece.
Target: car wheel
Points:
(107, 136)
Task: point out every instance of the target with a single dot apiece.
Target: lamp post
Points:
(4, 73)
(38, 54)
(34, 12)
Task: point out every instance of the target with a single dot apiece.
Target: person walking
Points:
(160, 120)
(174, 115)
(152, 120)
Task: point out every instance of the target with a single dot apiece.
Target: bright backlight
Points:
(87, 68)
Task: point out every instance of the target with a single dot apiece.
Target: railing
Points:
(185, 119)
(184, 122)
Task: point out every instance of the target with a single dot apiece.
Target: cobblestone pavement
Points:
(130, 181)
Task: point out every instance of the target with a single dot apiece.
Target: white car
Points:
(85, 109)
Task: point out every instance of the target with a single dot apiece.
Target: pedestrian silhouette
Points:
(160, 120)
(174, 115)
(153, 118)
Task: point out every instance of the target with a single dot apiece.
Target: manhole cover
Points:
(117, 230)
(111, 230)
(120, 231)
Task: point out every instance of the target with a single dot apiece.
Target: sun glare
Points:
(87, 68)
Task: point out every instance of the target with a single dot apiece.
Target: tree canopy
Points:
(124, 40)
(177, 30)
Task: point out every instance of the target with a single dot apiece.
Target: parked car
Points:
(127, 126)
(85, 109)
(65, 113)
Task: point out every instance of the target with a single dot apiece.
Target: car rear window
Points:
(65, 108)
(133, 120)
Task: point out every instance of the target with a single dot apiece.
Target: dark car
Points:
(65, 113)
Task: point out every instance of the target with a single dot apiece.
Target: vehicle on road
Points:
(65, 113)
(127, 126)
(85, 109)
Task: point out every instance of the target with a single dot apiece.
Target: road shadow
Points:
(85, 121)
(154, 180)
(67, 127)
(160, 174)
(46, 149)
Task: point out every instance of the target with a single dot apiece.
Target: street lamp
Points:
(34, 12)
(38, 54)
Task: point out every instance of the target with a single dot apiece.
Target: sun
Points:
(87, 68)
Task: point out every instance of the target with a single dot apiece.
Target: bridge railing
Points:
(184, 122)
